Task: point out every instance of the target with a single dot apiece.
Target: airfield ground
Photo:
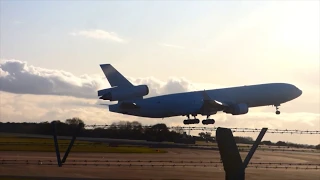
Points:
(70, 171)
(82, 162)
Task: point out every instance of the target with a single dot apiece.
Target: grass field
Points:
(8, 143)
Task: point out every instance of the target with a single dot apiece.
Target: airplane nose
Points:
(299, 92)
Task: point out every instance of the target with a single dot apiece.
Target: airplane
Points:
(231, 100)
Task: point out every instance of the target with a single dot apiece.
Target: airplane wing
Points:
(211, 106)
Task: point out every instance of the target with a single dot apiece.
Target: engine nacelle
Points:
(238, 109)
(123, 93)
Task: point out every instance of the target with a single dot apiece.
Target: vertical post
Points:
(231, 159)
(230, 155)
(78, 128)
(254, 147)
(56, 145)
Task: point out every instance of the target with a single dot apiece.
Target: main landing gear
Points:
(197, 121)
(191, 121)
(208, 121)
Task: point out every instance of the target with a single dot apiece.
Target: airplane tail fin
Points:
(121, 89)
(114, 77)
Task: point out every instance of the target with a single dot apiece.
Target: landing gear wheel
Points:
(277, 112)
(208, 121)
(191, 121)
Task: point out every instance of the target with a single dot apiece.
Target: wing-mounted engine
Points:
(237, 109)
(123, 93)
(210, 106)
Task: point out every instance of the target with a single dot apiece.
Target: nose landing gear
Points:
(277, 109)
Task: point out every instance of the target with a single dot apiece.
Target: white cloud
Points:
(3, 73)
(99, 34)
(171, 46)
(19, 77)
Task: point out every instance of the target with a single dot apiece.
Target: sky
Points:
(50, 53)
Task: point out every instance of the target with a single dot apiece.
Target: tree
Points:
(269, 143)
(281, 143)
(74, 121)
(160, 128)
(206, 135)
(318, 146)
(178, 130)
(202, 134)
(136, 126)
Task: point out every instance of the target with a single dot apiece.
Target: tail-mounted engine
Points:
(123, 93)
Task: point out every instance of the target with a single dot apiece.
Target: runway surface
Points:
(165, 165)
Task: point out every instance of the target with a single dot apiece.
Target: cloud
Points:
(99, 34)
(21, 78)
(172, 85)
(171, 46)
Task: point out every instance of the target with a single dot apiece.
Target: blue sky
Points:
(172, 46)
(47, 26)
(214, 33)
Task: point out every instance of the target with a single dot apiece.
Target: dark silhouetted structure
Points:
(231, 159)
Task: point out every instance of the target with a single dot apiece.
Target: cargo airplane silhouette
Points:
(232, 100)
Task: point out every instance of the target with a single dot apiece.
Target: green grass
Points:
(47, 145)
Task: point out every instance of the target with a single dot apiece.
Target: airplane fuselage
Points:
(185, 103)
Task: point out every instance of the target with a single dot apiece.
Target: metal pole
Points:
(56, 145)
(254, 147)
(229, 153)
(71, 143)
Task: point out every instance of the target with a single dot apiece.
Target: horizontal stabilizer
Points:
(125, 105)
(106, 104)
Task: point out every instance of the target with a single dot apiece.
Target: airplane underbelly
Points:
(262, 100)
(170, 109)
(183, 108)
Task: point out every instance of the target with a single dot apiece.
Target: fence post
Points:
(254, 147)
(78, 128)
(56, 145)
(229, 152)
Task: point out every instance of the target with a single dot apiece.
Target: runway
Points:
(199, 164)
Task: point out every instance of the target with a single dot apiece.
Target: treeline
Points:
(121, 130)
(128, 130)
(289, 144)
